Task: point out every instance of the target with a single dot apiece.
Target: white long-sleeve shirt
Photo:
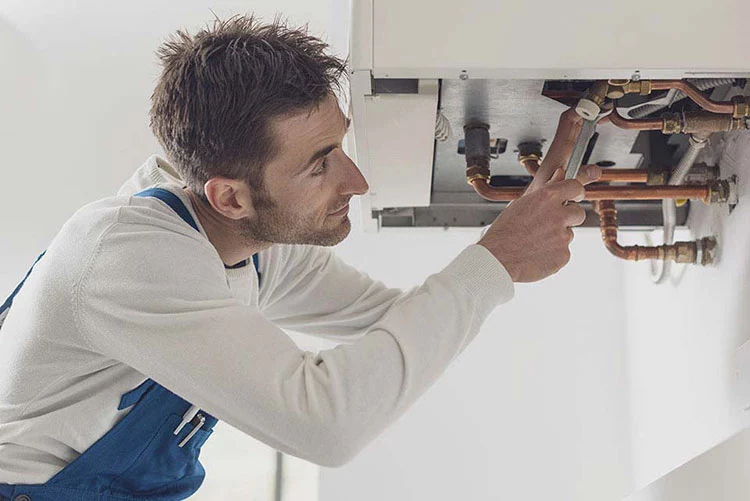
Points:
(127, 291)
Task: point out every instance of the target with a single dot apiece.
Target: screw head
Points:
(463, 75)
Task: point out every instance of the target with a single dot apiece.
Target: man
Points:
(157, 312)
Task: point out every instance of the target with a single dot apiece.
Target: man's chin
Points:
(329, 235)
(337, 235)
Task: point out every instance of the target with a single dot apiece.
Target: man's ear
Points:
(229, 197)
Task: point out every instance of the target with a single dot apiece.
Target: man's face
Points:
(310, 182)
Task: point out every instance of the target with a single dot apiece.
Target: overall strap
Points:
(173, 201)
(6, 305)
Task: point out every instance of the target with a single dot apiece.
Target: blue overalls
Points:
(152, 453)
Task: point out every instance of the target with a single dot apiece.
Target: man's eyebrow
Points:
(326, 150)
(321, 153)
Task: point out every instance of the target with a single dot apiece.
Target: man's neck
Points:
(223, 233)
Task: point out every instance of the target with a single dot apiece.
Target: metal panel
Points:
(361, 90)
(552, 39)
(516, 111)
(400, 138)
(465, 210)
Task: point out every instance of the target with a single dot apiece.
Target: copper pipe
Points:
(702, 192)
(681, 252)
(640, 124)
(695, 94)
(495, 193)
(624, 176)
(694, 192)
(701, 122)
(531, 164)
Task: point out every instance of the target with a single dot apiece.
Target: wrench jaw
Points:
(574, 163)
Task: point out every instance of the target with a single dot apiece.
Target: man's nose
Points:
(354, 181)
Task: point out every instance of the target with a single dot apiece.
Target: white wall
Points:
(680, 340)
(535, 408)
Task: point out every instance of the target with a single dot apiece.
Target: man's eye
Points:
(321, 168)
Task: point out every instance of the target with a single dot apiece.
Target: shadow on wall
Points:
(720, 473)
(681, 339)
(731, 151)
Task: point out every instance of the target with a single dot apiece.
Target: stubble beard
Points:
(273, 224)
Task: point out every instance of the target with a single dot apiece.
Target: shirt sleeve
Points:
(313, 291)
(158, 301)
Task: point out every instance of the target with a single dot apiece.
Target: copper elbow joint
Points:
(700, 251)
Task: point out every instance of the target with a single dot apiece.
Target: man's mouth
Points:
(340, 211)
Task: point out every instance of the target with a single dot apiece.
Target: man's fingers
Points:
(540, 179)
(558, 175)
(568, 190)
(574, 215)
(589, 174)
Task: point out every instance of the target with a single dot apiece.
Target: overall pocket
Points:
(164, 468)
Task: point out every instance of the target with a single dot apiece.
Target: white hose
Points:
(443, 130)
(669, 209)
(687, 161)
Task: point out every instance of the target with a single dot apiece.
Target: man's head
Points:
(248, 115)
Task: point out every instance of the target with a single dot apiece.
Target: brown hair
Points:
(218, 92)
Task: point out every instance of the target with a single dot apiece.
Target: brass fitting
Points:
(682, 252)
(618, 82)
(477, 151)
(720, 192)
(671, 123)
(741, 106)
(706, 250)
(703, 122)
(477, 172)
(598, 92)
(616, 88)
(657, 178)
(530, 156)
(642, 87)
(700, 123)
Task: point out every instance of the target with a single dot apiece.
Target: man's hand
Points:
(531, 237)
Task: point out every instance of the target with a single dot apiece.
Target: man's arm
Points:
(157, 300)
(315, 292)
(310, 289)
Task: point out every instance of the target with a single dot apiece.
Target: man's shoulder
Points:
(135, 239)
(125, 225)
